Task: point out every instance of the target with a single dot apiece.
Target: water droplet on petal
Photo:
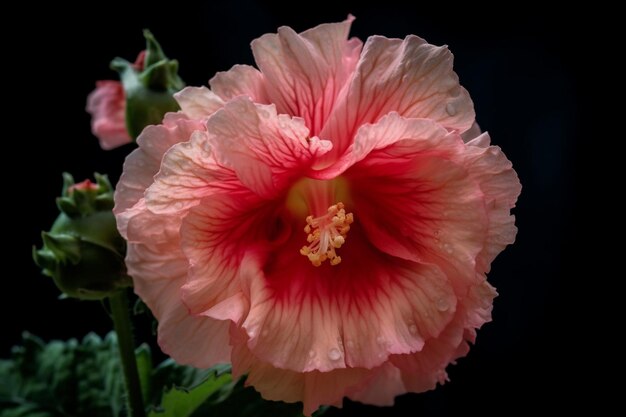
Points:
(442, 304)
(311, 353)
(413, 329)
(350, 344)
(450, 109)
(448, 248)
(334, 354)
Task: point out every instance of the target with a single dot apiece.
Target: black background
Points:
(521, 65)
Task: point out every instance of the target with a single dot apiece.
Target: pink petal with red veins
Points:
(305, 72)
(146, 227)
(384, 385)
(479, 303)
(158, 272)
(414, 200)
(189, 172)
(352, 315)
(198, 102)
(240, 80)
(216, 235)
(422, 371)
(144, 162)
(312, 388)
(407, 76)
(493, 172)
(265, 149)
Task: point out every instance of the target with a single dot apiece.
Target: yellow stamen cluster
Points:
(327, 233)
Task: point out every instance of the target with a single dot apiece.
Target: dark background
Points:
(521, 65)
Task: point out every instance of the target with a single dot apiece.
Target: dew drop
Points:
(264, 114)
(311, 353)
(448, 248)
(334, 354)
(413, 329)
(442, 304)
(437, 232)
(380, 340)
(350, 344)
(450, 109)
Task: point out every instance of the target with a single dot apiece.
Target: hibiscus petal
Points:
(382, 388)
(216, 235)
(158, 271)
(240, 80)
(489, 167)
(305, 72)
(265, 149)
(478, 303)
(312, 388)
(198, 102)
(141, 225)
(189, 172)
(422, 371)
(408, 76)
(415, 199)
(326, 318)
(143, 163)
(473, 133)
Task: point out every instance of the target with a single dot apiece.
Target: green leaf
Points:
(62, 379)
(237, 400)
(181, 402)
(83, 379)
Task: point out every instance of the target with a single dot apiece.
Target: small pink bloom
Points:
(320, 222)
(84, 185)
(107, 106)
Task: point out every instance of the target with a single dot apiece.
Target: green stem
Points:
(123, 328)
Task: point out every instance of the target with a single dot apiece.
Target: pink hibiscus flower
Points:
(320, 222)
(107, 106)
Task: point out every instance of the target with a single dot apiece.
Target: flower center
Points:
(327, 233)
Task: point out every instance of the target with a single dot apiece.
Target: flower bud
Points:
(83, 251)
(148, 90)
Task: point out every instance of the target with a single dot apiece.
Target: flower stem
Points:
(123, 328)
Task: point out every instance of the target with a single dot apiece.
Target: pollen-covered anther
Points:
(327, 233)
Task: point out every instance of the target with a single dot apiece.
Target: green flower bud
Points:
(83, 251)
(149, 88)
